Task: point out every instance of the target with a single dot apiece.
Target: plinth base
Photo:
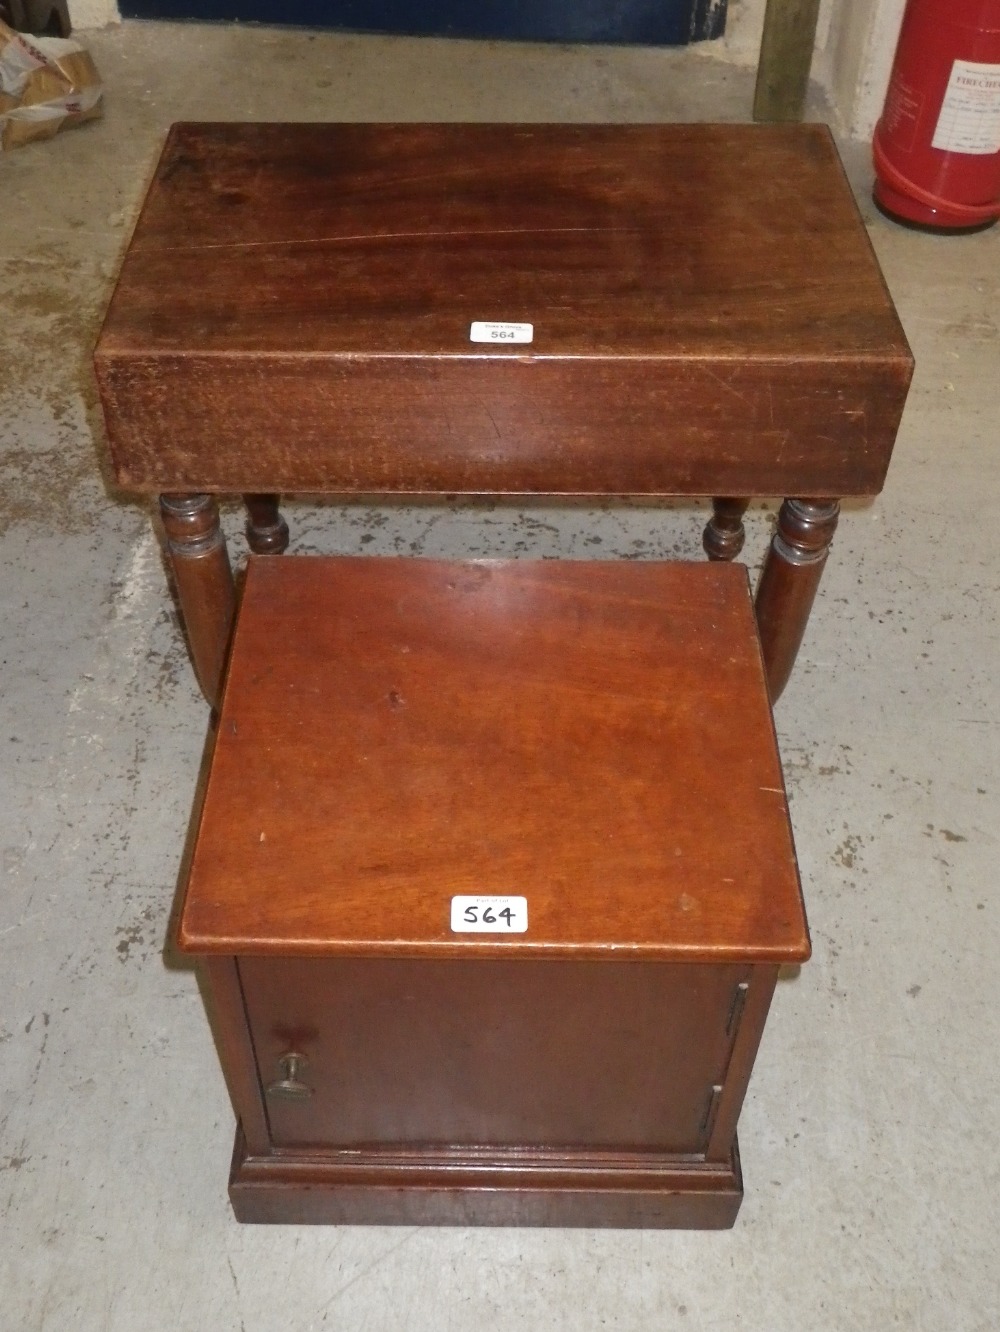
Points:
(485, 1188)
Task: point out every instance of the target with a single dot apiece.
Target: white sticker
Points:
(970, 114)
(489, 915)
(500, 333)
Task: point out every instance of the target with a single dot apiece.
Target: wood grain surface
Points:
(293, 313)
(594, 736)
(514, 1188)
(555, 1054)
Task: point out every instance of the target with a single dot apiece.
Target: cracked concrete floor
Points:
(872, 1185)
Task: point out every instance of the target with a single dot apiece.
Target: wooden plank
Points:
(786, 53)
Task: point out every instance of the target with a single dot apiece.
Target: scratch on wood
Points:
(723, 383)
(379, 236)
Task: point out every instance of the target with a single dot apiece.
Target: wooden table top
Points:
(294, 312)
(595, 737)
(635, 240)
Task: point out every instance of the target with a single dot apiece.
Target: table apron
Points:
(477, 425)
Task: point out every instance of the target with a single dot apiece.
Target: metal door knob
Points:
(289, 1088)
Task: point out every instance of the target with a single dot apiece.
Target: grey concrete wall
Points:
(857, 61)
(93, 13)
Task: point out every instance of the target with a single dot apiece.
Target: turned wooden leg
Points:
(789, 580)
(204, 581)
(267, 531)
(724, 535)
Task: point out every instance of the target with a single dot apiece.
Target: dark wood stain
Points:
(595, 737)
(709, 317)
(565, 727)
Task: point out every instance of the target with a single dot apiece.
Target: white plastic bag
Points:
(45, 84)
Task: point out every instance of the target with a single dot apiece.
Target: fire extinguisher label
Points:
(969, 121)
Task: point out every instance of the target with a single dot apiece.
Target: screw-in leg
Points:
(724, 535)
(204, 582)
(267, 531)
(789, 580)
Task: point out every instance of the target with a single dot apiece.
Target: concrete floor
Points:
(869, 1132)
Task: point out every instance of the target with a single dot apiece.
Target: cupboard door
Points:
(600, 1055)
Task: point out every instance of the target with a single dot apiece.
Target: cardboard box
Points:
(46, 83)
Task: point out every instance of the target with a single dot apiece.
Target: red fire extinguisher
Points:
(937, 145)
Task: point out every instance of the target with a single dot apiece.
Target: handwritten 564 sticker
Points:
(489, 914)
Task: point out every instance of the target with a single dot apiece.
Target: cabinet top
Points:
(592, 737)
(735, 241)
